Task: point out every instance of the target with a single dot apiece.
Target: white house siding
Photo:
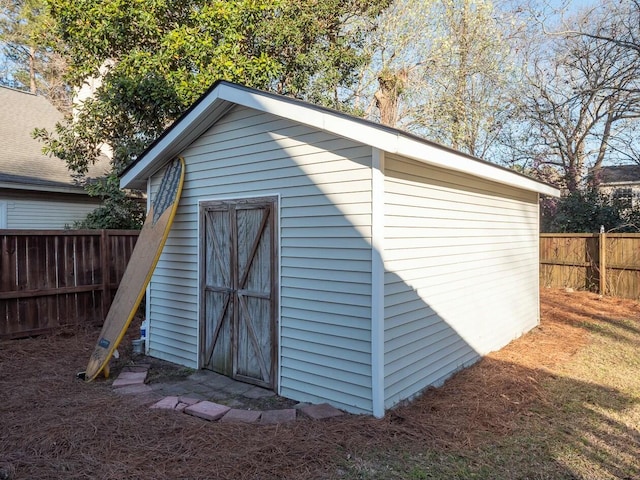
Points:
(3, 214)
(324, 184)
(41, 213)
(461, 272)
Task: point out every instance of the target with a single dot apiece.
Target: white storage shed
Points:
(333, 259)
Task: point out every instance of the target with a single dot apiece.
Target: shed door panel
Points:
(219, 305)
(239, 288)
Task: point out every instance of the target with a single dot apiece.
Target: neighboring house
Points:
(333, 259)
(36, 191)
(622, 183)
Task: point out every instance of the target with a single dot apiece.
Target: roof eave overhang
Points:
(223, 96)
(184, 132)
(43, 188)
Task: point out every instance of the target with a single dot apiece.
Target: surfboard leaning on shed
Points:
(143, 261)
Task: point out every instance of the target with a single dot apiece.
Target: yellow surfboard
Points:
(138, 273)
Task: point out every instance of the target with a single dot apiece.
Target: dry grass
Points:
(561, 402)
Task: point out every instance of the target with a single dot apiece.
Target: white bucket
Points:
(138, 345)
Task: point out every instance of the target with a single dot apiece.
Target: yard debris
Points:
(6, 472)
(56, 427)
(321, 411)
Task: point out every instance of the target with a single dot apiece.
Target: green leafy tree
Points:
(585, 211)
(443, 69)
(119, 209)
(469, 74)
(28, 50)
(154, 58)
(319, 46)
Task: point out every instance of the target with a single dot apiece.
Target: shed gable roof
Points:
(223, 95)
(23, 166)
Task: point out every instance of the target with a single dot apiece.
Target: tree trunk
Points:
(458, 137)
(389, 90)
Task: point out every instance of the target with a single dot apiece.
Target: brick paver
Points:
(207, 410)
(278, 416)
(167, 403)
(241, 416)
(186, 397)
(184, 402)
(138, 389)
(140, 367)
(323, 410)
(129, 378)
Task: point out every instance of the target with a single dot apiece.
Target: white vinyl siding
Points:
(461, 263)
(399, 261)
(324, 186)
(3, 214)
(36, 212)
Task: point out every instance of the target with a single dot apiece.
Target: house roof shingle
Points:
(620, 174)
(22, 163)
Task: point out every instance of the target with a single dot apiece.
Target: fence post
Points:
(602, 261)
(106, 280)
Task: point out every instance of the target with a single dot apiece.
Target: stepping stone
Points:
(241, 416)
(207, 410)
(198, 376)
(200, 388)
(233, 403)
(141, 367)
(323, 410)
(236, 388)
(198, 396)
(137, 389)
(210, 378)
(184, 402)
(129, 378)
(133, 375)
(174, 390)
(258, 392)
(167, 403)
(278, 416)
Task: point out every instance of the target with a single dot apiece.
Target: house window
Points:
(623, 197)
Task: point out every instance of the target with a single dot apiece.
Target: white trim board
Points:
(224, 95)
(377, 283)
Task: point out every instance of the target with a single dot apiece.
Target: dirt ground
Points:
(53, 425)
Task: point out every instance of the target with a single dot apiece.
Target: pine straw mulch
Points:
(55, 426)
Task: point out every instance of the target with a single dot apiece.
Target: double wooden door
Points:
(239, 289)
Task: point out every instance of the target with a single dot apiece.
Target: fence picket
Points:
(608, 263)
(54, 279)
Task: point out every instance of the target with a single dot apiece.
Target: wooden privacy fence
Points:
(608, 263)
(52, 279)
